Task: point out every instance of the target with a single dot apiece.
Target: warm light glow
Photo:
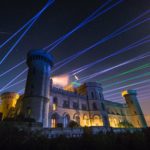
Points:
(53, 123)
(54, 107)
(61, 81)
(124, 93)
(114, 122)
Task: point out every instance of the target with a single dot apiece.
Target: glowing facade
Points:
(8, 104)
(86, 105)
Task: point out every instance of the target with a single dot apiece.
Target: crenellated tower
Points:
(35, 103)
(136, 114)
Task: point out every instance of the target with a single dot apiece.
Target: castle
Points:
(53, 107)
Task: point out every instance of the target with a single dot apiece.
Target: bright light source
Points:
(61, 80)
(76, 77)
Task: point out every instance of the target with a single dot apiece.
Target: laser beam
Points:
(23, 34)
(26, 24)
(114, 67)
(71, 58)
(87, 20)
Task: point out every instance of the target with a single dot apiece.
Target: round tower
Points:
(35, 103)
(135, 111)
(8, 103)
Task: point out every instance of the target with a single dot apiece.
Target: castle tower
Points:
(137, 117)
(35, 103)
(8, 104)
(95, 99)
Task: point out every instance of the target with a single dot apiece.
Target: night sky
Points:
(63, 16)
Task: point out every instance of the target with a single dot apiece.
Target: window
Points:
(100, 96)
(53, 122)
(92, 95)
(75, 105)
(28, 112)
(84, 107)
(55, 103)
(66, 104)
(103, 107)
(95, 106)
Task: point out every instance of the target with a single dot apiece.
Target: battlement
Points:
(67, 93)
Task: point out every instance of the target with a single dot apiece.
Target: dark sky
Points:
(62, 17)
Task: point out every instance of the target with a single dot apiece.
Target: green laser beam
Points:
(126, 72)
(129, 79)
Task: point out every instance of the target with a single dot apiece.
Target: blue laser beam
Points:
(67, 59)
(114, 67)
(26, 24)
(87, 20)
(22, 35)
(71, 58)
(133, 45)
(13, 84)
(126, 86)
(139, 88)
(130, 79)
(115, 32)
(21, 91)
(9, 70)
(14, 79)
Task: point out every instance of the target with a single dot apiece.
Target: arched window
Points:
(54, 119)
(76, 118)
(55, 103)
(94, 106)
(66, 120)
(97, 121)
(92, 95)
(100, 96)
(86, 120)
(103, 106)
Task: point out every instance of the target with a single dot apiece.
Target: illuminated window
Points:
(55, 102)
(97, 121)
(54, 107)
(86, 120)
(54, 121)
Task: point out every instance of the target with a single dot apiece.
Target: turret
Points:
(95, 99)
(8, 103)
(137, 117)
(36, 97)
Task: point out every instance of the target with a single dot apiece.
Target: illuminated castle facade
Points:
(53, 107)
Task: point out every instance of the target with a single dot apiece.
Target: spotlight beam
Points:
(9, 70)
(71, 58)
(126, 72)
(114, 67)
(129, 79)
(126, 86)
(141, 87)
(25, 25)
(13, 84)
(87, 20)
(14, 79)
(115, 32)
(23, 34)
(131, 46)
